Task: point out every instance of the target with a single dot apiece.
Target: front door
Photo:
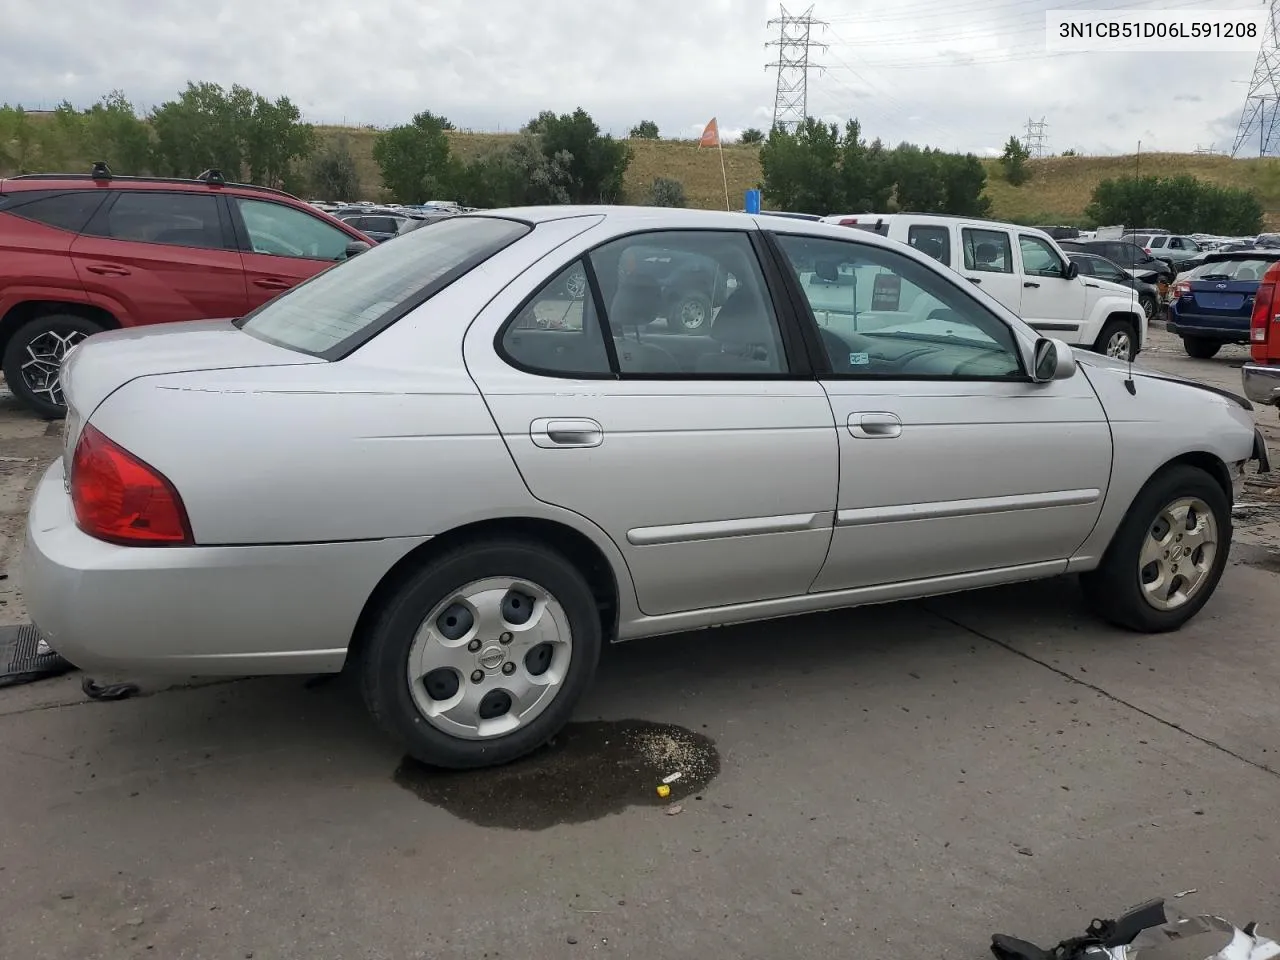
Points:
(951, 460)
(708, 456)
(1051, 303)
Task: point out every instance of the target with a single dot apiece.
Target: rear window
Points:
(337, 310)
(1242, 268)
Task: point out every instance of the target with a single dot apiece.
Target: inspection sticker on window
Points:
(1157, 31)
(859, 359)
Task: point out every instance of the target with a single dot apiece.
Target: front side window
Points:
(987, 251)
(148, 216)
(1038, 258)
(881, 314)
(338, 309)
(282, 231)
(1106, 270)
(932, 241)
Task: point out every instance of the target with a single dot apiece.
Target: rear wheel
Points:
(33, 360)
(690, 313)
(1118, 339)
(481, 656)
(1168, 555)
(1201, 348)
(1149, 305)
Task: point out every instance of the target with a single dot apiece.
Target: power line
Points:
(795, 40)
(1256, 123)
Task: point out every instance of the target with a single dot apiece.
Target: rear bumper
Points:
(214, 611)
(1261, 383)
(1189, 328)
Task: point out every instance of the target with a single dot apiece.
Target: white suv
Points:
(1026, 271)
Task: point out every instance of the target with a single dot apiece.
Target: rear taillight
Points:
(1264, 313)
(120, 499)
(1182, 288)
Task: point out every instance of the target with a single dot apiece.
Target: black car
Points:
(1092, 265)
(1124, 253)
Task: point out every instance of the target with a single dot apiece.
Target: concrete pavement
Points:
(889, 782)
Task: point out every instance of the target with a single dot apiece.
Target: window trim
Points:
(99, 225)
(1011, 272)
(795, 350)
(1062, 267)
(818, 352)
(241, 230)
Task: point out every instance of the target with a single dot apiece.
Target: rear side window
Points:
(66, 211)
(331, 314)
(933, 241)
(987, 251)
(181, 219)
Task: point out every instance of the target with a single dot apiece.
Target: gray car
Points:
(435, 466)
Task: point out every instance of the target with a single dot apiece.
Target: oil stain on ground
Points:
(588, 771)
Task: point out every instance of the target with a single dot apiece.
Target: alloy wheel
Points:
(1120, 345)
(45, 353)
(1177, 554)
(489, 658)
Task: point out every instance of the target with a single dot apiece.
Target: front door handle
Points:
(272, 283)
(1030, 283)
(107, 270)
(974, 279)
(875, 426)
(566, 432)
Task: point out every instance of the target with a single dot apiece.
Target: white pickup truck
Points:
(1025, 270)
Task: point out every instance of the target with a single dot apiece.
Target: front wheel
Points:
(1118, 339)
(1201, 348)
(33, 360)
(1168, 555)
(1149, 306)
(480, 657)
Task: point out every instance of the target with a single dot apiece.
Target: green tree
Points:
(751, 135)
(17, 139)
(666, 192)
(597, 163)
(112, 131)
(1180, 204)
(801, 170)
(1014, 162)
(415, 160)
(516, 174)
(644, 130)
(331, 172)
(964, 185)
(274, 137)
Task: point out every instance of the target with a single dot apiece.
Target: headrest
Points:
(827, 269)
(742, 320)
(637, 302)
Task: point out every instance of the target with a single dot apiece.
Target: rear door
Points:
(1051, 302)
(280, 245)
(987, 261)
(153, 256)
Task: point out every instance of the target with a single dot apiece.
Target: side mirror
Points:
(1071, 271)
(356, 247)
(1052, 360)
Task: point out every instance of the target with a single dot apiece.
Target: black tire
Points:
(42, 396)
(684, 307)
(1113, 328)
(1201, 348)
(1114, 589)
(390, 638)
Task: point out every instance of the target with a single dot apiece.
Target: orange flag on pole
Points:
(711, 135)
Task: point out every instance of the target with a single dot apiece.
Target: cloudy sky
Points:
(961, 74)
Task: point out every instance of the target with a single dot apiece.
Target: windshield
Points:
(339, 309)
(1242, 268)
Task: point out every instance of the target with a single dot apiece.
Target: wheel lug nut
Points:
(508, 668)
(477, 676)
(473, 646)
(505, 638)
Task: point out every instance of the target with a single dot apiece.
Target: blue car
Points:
(1213, 303)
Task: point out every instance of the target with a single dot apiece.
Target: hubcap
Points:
(693, 314)
(476, 692)
(576, 286)
(45, 354)
(1118, 346)
(1178, 553)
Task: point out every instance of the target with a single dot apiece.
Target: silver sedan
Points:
(460, 463)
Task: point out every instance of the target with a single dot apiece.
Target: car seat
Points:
(637, 304)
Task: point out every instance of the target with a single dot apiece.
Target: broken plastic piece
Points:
(672, 777)
(108, 691)
(664, 791)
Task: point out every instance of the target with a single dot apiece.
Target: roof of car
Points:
(86, 181)
(1255, 253)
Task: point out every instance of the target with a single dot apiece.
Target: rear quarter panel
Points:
(1162, 421)
(35, 264)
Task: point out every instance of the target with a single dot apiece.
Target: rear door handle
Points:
(570, 432)
(1030, 283)
(107, 270)
(272, 283)
(974, 279)
(875, 426)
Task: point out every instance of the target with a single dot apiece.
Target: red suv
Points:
(80, 254)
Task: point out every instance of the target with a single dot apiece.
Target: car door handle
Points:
(1088, 284)
(107, 270)
(875, 426)
(1030, 283)
(974, 279)
(272, 283)
(555, 432)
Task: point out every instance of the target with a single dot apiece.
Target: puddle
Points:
(588, 771)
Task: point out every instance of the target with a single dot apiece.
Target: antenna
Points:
(791, 98)
(1128, 379)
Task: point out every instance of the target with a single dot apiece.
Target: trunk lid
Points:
(1218, 296)
(97, 367)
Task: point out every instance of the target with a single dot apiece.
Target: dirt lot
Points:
(890, 782)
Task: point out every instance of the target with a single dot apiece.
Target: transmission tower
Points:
(1262, 102)
(1035, 137)
(791, 101)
